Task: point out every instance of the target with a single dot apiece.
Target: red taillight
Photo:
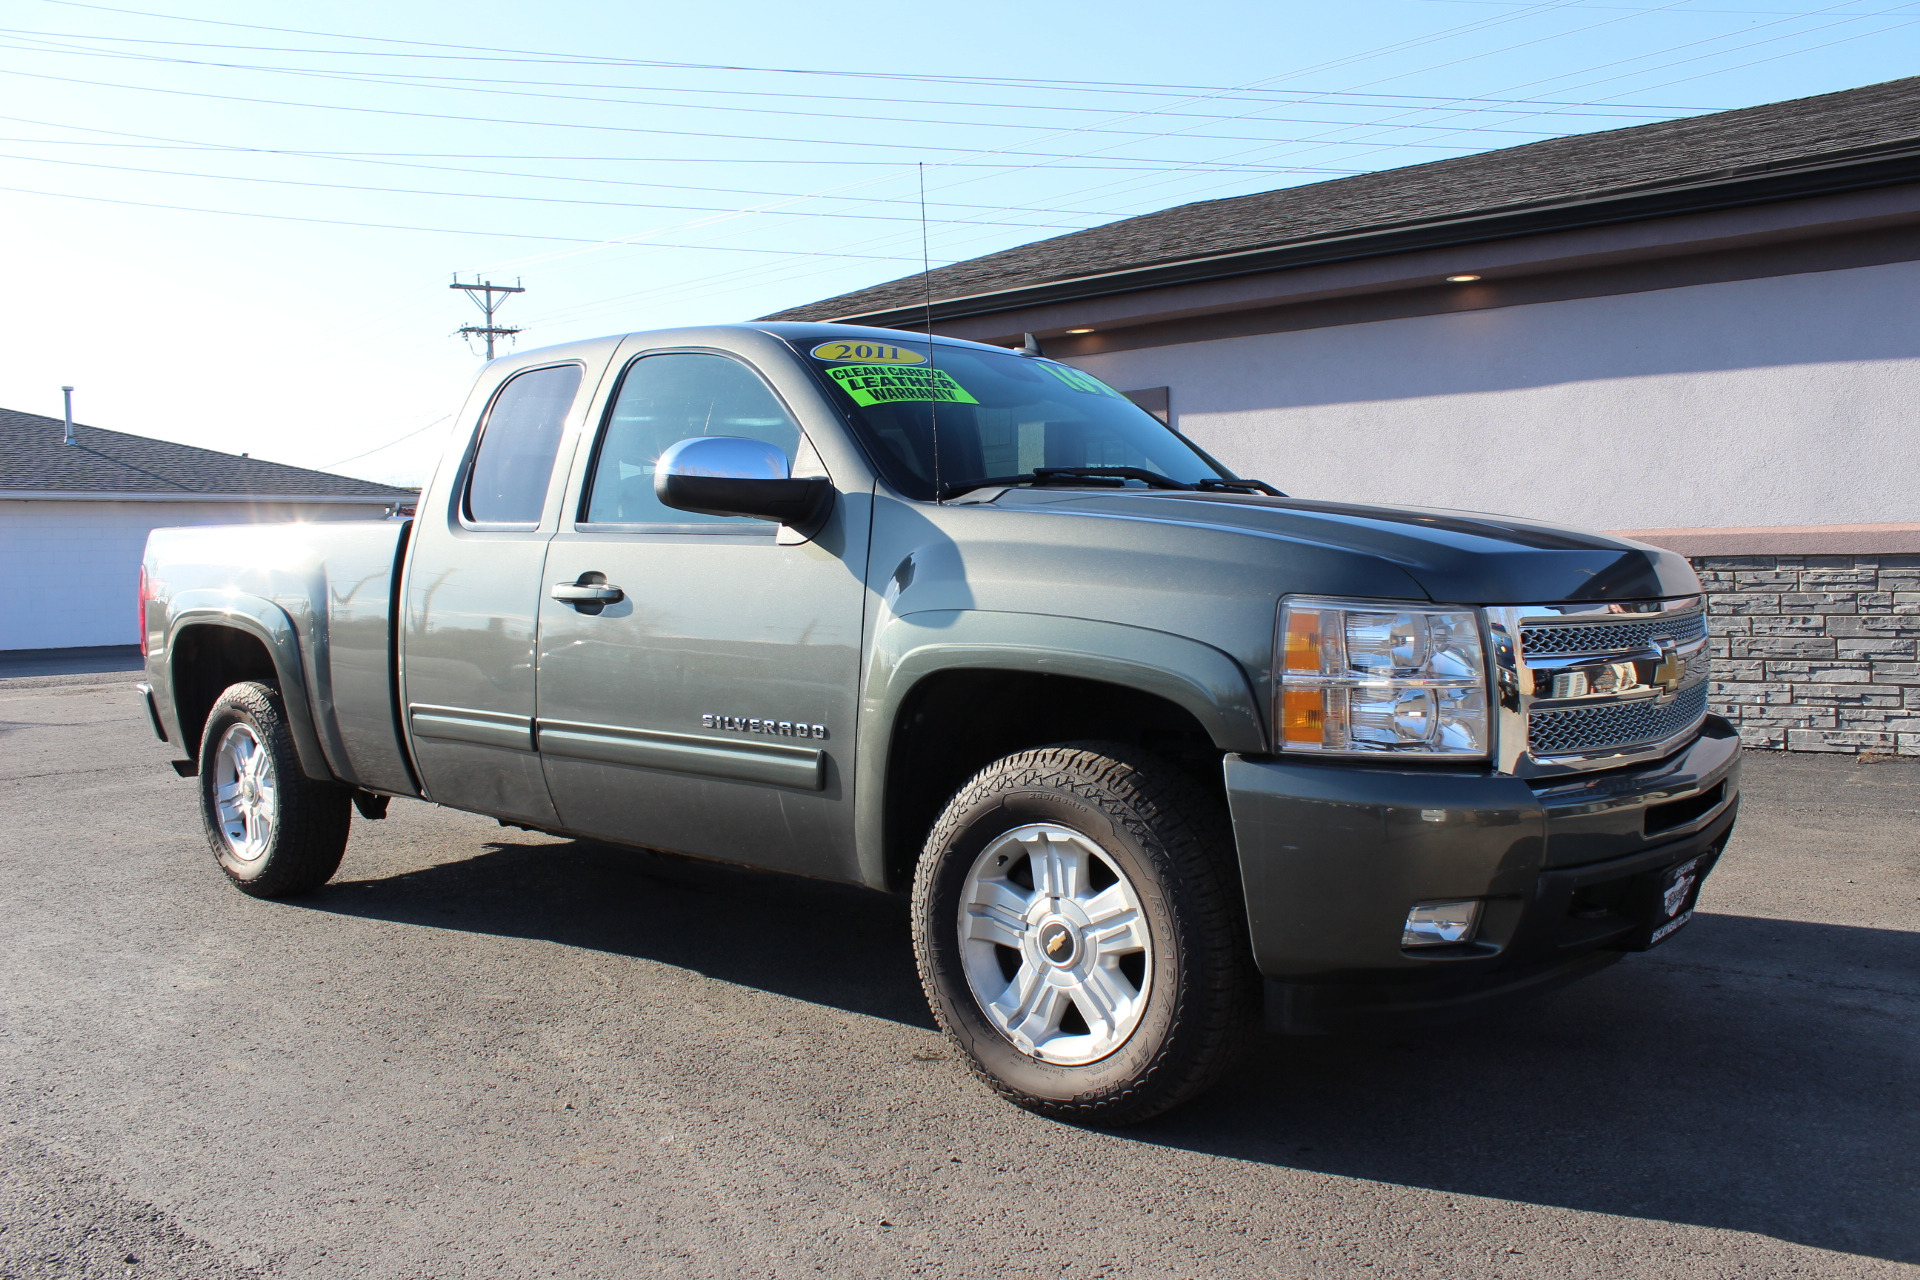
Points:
(143, 611)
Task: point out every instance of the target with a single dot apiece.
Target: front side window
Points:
(994, 416)
(511, 467)
(663, 400)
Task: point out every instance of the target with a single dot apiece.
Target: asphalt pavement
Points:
(485, 1052)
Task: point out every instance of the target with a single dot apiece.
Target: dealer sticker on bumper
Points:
(1669, 927)
(1674, 897)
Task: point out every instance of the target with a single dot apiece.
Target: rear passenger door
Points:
(473, 600)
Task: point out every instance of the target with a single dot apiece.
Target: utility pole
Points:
(482, 295)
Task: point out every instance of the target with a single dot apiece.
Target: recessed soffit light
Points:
(1463, 278)
(1088, 330)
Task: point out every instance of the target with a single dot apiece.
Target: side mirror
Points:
(734, 476)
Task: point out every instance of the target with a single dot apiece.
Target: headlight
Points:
(1357, 677)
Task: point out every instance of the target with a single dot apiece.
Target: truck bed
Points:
(335, 585)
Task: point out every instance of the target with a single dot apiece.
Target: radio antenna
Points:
(933, 369)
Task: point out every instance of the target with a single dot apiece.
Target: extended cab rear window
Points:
(511, 468)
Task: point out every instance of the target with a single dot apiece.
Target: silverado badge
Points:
(779, 728)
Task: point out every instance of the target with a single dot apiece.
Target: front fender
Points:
(1207, 683)
(273, 627)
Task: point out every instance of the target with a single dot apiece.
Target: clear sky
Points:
(234, 224)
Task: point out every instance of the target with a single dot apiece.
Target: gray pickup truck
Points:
(1149, 744)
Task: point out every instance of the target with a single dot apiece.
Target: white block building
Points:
(74, 518)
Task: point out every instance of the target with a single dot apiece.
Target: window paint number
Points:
(867, 353)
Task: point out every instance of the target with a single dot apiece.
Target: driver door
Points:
(710, 709)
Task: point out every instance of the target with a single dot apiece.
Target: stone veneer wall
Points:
(1816, 652)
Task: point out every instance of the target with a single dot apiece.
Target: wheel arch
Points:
(215, 643)
(949, 692)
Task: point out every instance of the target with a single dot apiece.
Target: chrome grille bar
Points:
(1595, 686)
(1611, 637)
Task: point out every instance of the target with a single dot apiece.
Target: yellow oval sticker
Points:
(868, 353)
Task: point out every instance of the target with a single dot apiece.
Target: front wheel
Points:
(273, 830)
(1077, 925)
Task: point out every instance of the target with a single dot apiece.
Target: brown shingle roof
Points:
(1651, 157)
(34, 458)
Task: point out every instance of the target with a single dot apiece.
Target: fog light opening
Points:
(1441, 924)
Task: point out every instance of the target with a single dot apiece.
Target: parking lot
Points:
(486, 1052)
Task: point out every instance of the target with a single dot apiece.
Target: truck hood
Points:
(1456, 557)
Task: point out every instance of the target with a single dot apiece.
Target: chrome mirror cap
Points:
(723, 458)
(734, 476)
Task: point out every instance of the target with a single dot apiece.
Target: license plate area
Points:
(1664, 901)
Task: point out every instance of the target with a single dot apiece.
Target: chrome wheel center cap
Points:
(1059, 943)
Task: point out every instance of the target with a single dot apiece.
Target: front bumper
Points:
(1333, 855)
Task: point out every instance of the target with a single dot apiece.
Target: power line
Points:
(450, 231)
(1713, 39)
(1267, 101)
(156, 143)
(539, 124)
(517, 55)
(1322, 144)
(328, 466)
(1143, 166)
(418, 82)
(481, 195)
(1319, 67)
(1043, 166)
(1258, 150)
(1618, 62)
(1297, 97)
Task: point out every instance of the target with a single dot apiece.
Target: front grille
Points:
(1613, 637)
(1615, 724)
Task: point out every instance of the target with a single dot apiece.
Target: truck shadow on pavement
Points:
(1753, 1074)
(812, 940)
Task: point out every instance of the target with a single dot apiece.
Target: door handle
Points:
(587, 593)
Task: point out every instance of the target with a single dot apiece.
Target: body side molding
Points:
(734, 759)
(463, 724)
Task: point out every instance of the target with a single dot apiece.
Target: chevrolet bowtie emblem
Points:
(1059, 942)
(1671, 671)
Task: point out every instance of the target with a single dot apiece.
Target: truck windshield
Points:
(995, 416)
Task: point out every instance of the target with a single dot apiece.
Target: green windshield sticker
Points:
(871, 384)
(1081, 381)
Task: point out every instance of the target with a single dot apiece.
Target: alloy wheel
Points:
(1054, 943)
(245, 793)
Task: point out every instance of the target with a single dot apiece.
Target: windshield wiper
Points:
(1112, 477)
(1217, 484)
(1040, 475)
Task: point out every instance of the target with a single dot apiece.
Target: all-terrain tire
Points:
(1169, 838)
(272, 829)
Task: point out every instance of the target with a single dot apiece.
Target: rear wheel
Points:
(1077, 925)
(273, 830)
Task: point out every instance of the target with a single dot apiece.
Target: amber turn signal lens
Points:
(1303, 715)
(1303, 641)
